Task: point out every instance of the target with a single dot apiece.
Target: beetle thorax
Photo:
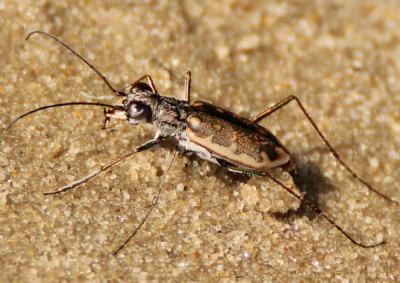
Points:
(170, 116)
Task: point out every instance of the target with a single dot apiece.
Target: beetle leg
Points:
(321, 213)
(103, 168)
(276, 107)
(188, 84)
(149, 81)
(154, 203)
(106, 119)
(283, 103)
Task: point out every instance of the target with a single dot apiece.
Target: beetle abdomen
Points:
(234, 139)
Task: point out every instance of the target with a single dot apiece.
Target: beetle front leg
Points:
(149, 82)
(113, 114)
(103, 168)
(106, 119)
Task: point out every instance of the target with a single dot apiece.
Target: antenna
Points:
(116, 92)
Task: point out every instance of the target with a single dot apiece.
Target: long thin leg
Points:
(149, 81)
(276, 107)
(319, 212)
(283, 103)
(103, 168)
(154, 203)
(188, 85)
(188, 78)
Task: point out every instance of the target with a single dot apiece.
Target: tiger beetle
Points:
(207, 131)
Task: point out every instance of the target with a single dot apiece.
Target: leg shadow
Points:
(311, 182)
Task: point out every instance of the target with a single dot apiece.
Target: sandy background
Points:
(342, 58)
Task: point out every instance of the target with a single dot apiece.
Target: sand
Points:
(341, 58)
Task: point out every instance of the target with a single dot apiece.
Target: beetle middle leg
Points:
(153, 204)
(290, 98)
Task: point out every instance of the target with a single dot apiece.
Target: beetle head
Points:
(140, 103)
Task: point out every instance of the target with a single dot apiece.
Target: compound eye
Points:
(139, 112)
(140, 87)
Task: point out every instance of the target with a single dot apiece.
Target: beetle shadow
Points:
(312, 184)
(307, 177)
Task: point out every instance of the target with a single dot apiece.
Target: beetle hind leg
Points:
(284, 102)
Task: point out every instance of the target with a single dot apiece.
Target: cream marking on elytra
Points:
(209, 132)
